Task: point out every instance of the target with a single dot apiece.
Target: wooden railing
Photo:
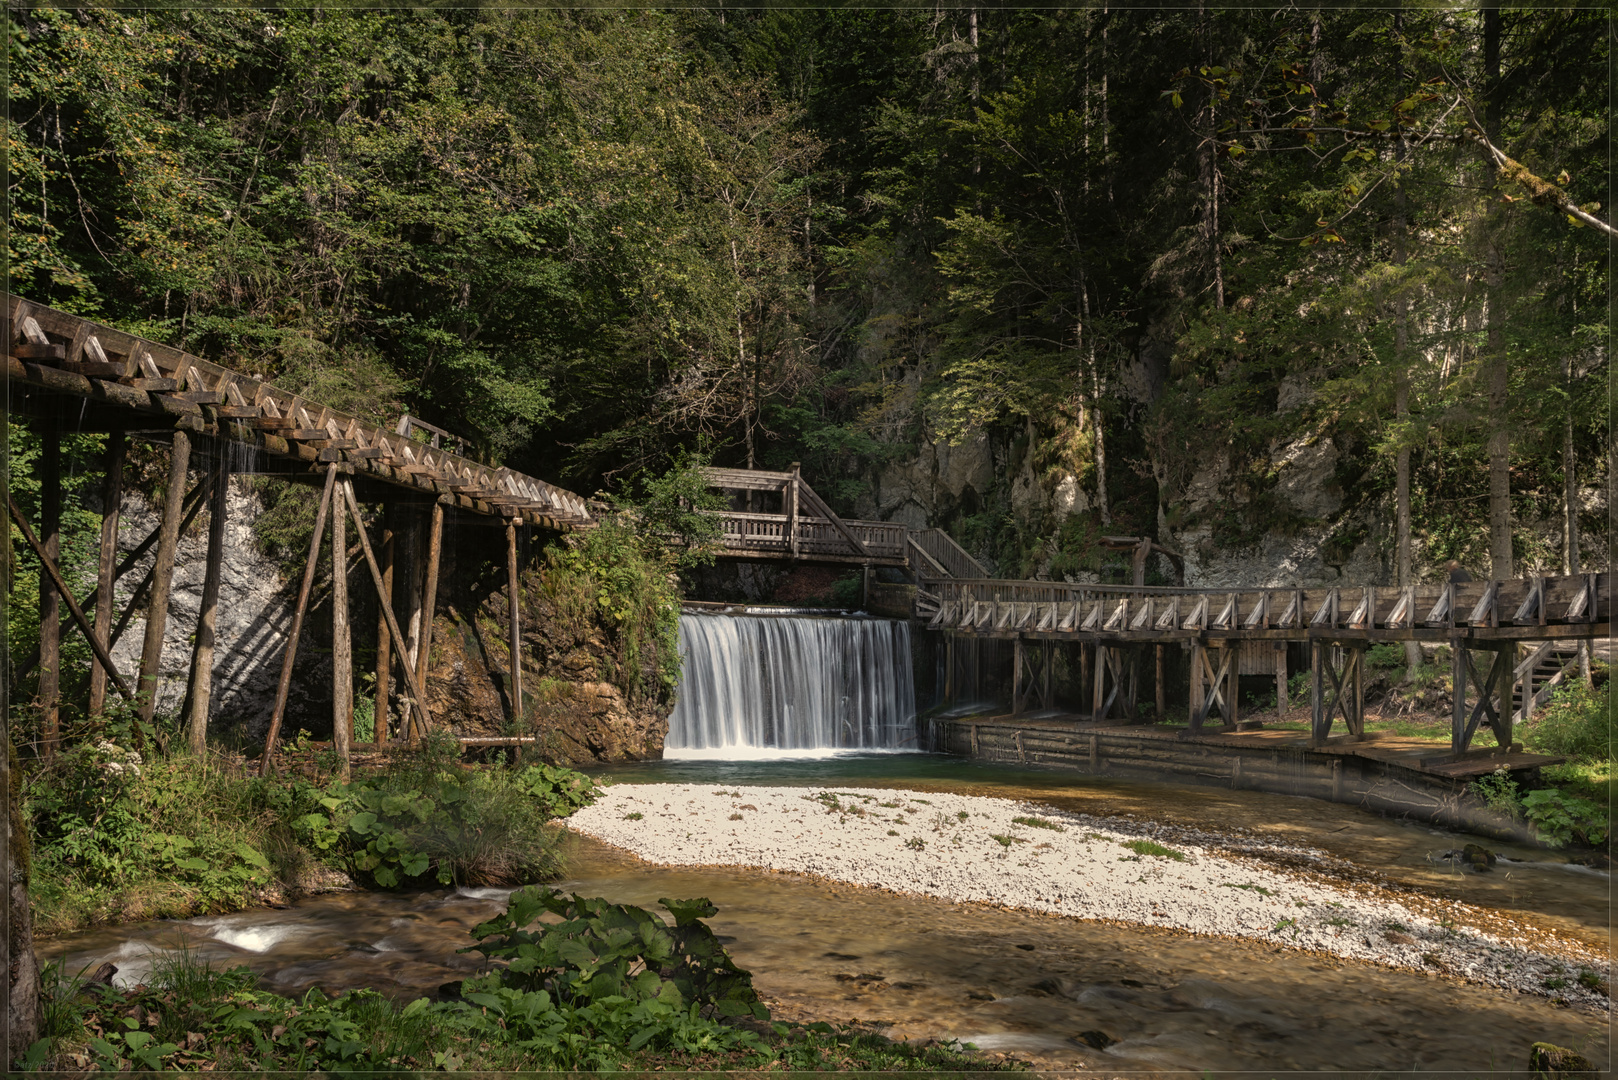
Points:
(773, 534)
(1552, 606)
(943, 557)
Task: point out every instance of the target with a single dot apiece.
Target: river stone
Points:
(1556, 1060)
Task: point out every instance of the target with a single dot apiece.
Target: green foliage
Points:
(560, 791)
(1389, 656)
(1576, 722)
(1151, 847)
(1499, 793)
(610, 574)
(601, 950)
(1561, 819)
(1039, 823)
(674, 513)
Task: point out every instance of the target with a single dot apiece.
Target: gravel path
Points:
(967, 848)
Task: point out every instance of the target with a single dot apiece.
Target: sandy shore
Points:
(984, 850)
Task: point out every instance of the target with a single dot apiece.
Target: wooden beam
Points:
(342, 643)
(200, 692)
(50, 616)
(112, 491)
(72, 605)
(384, 638)
(157, 605)
(416, 688)
(429, 601)
(514, 599)
(285, 685)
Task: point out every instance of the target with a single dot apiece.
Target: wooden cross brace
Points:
(1494, 697)
(1216, 687)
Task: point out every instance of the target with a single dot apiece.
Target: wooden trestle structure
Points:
(131, 387)
(1485, 624)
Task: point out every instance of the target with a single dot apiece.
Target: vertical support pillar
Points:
(1458, 683)
(112, 493)
(384, 638)
(342, 658)
(1098, 683)
(50, 604)
(199, 696)
(1084, 669)
(157, 606)
(1162, 710)
(1357, 691)
(1503, 725)
(1199, 660)
(1016, 675)
(429, 603)
(1047, 658)
(514, 600)
(1318, 727)
(865, 587)
(285, 683)
(1281, 702)
(1233, 683)
(791, 509)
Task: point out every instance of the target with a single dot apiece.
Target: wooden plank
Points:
(51, 590)
(106, 571)
(435, 547)
(342, 644)
(382, 705)
(514, 600)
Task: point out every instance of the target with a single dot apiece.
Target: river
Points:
(1067, 992)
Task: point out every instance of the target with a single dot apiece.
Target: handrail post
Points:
(792, 511)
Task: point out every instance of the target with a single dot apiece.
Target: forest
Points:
(1116, 245)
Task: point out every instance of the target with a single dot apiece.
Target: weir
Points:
(792, 683)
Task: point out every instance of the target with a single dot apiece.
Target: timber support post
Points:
(1344, 697)
(342, 645)
(50, 614)
(514, 600)
(1016, 675)
(429, 602)
(792, 511)
(112, 492)
(384, 639)
(1494, 692)
(285, 685)
(199, 694)
(157, 604)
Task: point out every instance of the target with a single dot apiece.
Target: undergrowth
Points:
(120, 838)
(608, 987)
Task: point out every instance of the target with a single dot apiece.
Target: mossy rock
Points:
(1548, 1058)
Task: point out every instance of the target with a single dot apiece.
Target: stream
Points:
(1069, 993)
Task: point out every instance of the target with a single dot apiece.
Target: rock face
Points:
(254, 614)
(567, 656)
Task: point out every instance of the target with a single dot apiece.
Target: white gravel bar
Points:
(984, 850)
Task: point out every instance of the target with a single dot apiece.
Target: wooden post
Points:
(342, 666)
(1458, 681)
(514, 599)
(792, 511)
(50, 611)
(865, 587)
(392, 624)
(1357, 659)
(1098, 682)
(384, 639)
(1317, 692)
(429, 601)
(285, 684)
(1084, 669)
(1503, 729)
(112, 493)
(1233, 682)
(199, 697)
(1198, 661)
(157, 604)
(1281, 703)
(1016, 675)
(1162, 710)
(1046, 659)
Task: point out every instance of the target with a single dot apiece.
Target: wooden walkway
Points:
(789, 521)
(1499, 633)
(65, 371)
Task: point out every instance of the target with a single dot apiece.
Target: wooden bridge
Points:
(1486, 624)
(68, 371)
(777, 516)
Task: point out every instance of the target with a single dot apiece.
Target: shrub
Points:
(1577, 722)
(1561, 819)
(1499, 793)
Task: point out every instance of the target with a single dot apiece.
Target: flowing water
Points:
(791, 683)
(1004, 980)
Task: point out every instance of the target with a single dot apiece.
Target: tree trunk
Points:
(1500, 559)
(1401, 403)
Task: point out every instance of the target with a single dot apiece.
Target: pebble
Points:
(969, 849)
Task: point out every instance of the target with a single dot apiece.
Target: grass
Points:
(1151, 847)
(1038, 823)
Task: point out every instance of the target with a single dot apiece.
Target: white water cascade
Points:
(791, 683)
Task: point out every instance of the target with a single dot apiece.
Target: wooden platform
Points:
(1387, 773)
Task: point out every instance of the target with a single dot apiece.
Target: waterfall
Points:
(792, 683)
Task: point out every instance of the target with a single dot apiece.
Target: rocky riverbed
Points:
(986, 850)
